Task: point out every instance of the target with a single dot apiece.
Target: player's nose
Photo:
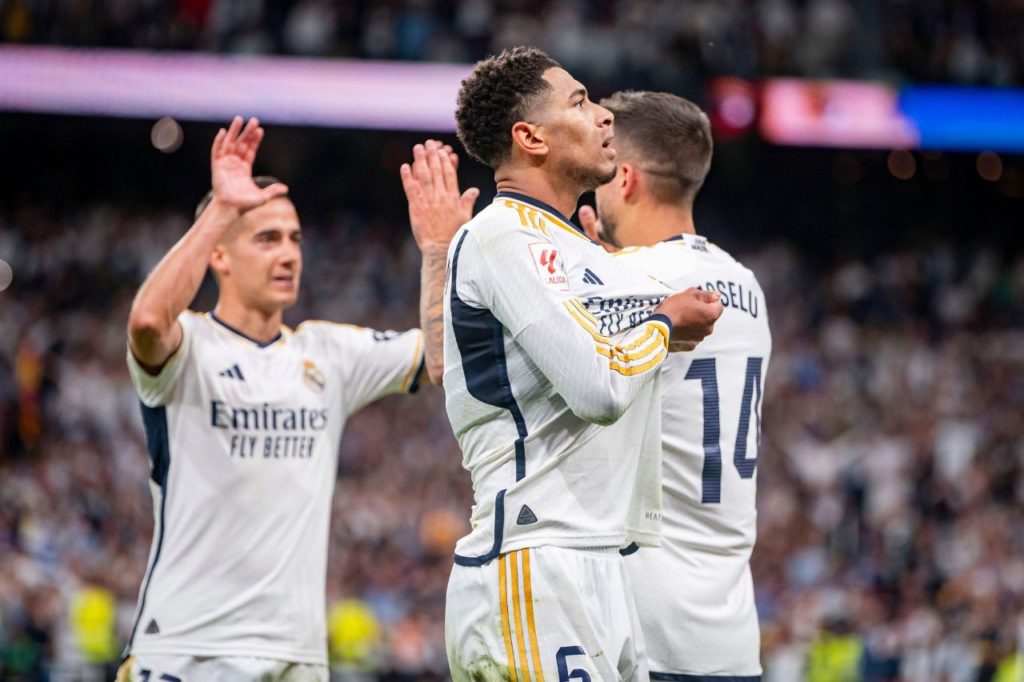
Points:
(604, 117)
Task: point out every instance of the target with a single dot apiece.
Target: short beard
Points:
(588, 178)
(608, 229)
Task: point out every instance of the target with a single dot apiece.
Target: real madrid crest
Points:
(313, 377)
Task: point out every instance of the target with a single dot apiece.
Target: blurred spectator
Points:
(891, 473)
(642, 44)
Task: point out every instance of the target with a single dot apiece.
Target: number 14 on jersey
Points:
(706, 370)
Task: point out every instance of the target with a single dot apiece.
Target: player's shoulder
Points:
(312, 330)
(512, 216)
(728, 260)
(666, 260)
(199, 324)
(702, 246)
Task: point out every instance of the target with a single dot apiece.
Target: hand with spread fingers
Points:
(436, 212)
(436, 207)
(231, 159)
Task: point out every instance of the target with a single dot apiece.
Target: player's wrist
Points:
(435, 248)
(222, 211)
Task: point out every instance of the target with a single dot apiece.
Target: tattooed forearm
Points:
(432, 277)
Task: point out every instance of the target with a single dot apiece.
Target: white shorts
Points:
(698, 615)
(546, 613)
(165, 668)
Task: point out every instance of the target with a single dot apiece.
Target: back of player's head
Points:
(499, 92)
(667, 137)
(262, 181)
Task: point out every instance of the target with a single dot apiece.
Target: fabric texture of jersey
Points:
(244, 441)
(168, 668)
(694, 594)
(558, 611)
(552, 359)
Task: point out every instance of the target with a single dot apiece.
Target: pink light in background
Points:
(834, 114)
(289, 90)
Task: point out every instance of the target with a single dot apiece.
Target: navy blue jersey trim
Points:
(537, 203)
(154, 419)
(678, 237)
(261, 344)
(499, 536)
(674, 677)
(481, 340)
(659, 317)
(631, 548)
(415, 385)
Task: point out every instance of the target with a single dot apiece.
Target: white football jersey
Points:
(552, 359)
(694, 596)
(244, 440)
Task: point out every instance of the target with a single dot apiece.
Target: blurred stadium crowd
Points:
(891, 474)
(655, 44)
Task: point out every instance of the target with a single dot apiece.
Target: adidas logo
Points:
(152, 628)
(232, 372)
(590, 278)
(526, 516)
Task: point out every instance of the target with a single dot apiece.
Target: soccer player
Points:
(694, 593)
(243, 419)
(552, 350)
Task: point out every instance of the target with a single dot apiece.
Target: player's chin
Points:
(606, 173)
(284, 297)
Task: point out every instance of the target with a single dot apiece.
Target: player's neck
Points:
(650, 223)
(258, 325)
(534, 183)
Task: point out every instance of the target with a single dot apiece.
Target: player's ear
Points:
(529, 138)
(628, 181)
(219, 261)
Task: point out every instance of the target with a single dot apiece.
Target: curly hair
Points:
(495, 96)
(668, 137)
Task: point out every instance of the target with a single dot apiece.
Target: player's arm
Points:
(597, 376)
(436, 211)
(692, 317)
(153, 329)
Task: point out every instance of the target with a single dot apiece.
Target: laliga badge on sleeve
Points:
(549, 265)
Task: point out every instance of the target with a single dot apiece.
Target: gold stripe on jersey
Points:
(653, 345)
(606, 348)
(505, 626)
(530, 216)
(655, 340)
(576, 303)
(517, 610)
(638, 369)
(530, 622)
(417, 358)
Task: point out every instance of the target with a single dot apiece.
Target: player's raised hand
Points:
(592, 228)
(231, 159)
(693, 313)
(436, 207)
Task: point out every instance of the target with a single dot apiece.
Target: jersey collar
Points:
(259, 344)
(538, 204)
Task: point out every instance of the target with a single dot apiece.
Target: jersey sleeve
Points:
(377, 363)
(597, 376)
(156, 389)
